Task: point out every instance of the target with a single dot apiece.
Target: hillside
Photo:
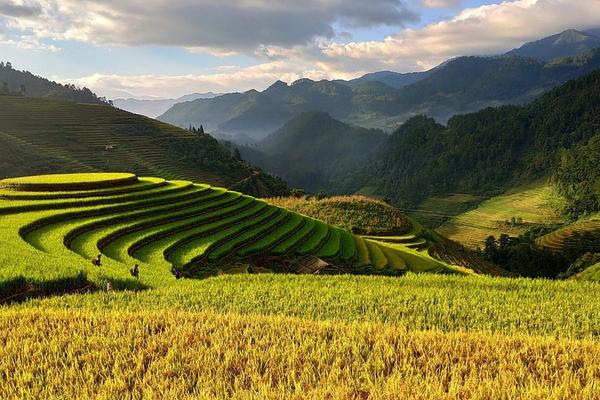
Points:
(376, 220)
(461, 85)
(24, 83)
(314, 150)
(42, 136)
(487, 152)
(568, 43)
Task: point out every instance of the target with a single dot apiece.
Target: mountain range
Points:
(152, 107)
(385, 100)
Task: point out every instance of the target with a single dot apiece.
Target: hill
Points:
(195, 229)
(42, 135)
(461, 85)
(24, 83)
(313, 150)
(489, 151)
(154, 107)
(568, 43)
(358, 214)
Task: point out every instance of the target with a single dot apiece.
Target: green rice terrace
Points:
(56, 226)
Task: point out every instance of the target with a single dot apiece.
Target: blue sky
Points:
(171, 48)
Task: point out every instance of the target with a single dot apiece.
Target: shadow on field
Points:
(20, 289)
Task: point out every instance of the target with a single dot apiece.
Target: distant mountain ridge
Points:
(154, 107)
(462, 85)
(392, 79)
(568, 43)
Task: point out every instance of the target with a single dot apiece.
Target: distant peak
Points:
(571, 36)
(303, 80)
(277, 85)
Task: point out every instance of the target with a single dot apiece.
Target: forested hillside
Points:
(24, 83)
(314, 151)
(494, 149)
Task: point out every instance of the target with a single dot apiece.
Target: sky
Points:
(168, 48)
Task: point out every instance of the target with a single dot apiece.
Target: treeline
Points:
(523, 257)
(24, 83)
(492, 150)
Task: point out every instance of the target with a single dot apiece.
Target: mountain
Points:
(495, 149)
(39, 135)
(256, 114)
(313, 150)
(462, 85)
(154, 107)
(24, 83)
(568, 43)
(395, 80)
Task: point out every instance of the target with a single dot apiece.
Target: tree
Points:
(201, 130)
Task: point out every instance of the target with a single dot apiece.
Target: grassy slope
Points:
(43, 136)
(535, 205)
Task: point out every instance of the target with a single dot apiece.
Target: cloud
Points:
(440, 3)
(11, 8)
(222, 26)
(485, 30)
(223, 79)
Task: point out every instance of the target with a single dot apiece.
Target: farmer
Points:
(97, 261)
(176, 273)
(135, 272)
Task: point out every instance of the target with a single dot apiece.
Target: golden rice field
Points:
(64, 354)
(309, 337)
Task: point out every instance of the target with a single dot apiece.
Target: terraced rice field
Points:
(197, 229)
(535, 206)
(590, 274)
(559, 239)
(42, 135)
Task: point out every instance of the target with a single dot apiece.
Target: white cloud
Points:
(224, 79)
